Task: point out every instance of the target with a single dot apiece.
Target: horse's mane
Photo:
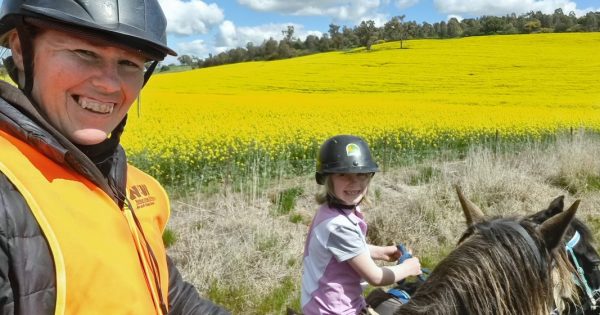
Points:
(494, 270)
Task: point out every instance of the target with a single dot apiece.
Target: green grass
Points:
(424, 176)
(169, 237)
(286, 200)
(239, 299)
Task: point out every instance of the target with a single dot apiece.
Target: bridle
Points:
(592, 295)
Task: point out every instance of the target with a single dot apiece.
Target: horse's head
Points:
(500, 266)
(534, 247)
(580, 239)
(584, 248)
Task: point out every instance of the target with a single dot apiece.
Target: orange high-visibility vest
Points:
(101, 258)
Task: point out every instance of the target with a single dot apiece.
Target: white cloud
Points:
(231, 36)
(347, 10)
(191, 17)
(502, 7)
(379, 19)
(403, 4)
(193, 48)
(458, 17)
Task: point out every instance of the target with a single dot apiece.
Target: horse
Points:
(583, 257)
(501, 266)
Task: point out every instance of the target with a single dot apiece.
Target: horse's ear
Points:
(554, 228)
(472, 213)
(556, 206)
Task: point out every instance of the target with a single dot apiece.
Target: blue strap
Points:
(574, 240)
(401, 295)
(406, 255)
(580, 274)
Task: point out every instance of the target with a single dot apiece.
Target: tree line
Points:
(396, 29)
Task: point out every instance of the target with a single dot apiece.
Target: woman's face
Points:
(84, 88)
(350, 188)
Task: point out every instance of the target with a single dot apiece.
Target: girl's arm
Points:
(364, 265)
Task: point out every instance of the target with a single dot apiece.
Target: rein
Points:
(580, 274)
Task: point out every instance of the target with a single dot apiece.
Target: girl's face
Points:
(350, 188)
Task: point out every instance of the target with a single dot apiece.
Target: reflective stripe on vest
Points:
(101, 260)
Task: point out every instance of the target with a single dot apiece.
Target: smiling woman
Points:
(79, 67)
(92, 89)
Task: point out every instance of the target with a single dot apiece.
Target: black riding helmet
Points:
(135, 24)
(344, 154)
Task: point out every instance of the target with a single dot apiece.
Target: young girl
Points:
(336, 255)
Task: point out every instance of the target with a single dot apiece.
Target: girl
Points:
(336, 255)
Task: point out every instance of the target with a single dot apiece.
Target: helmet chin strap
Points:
(335, 202)
(26, 38)
(149, 71)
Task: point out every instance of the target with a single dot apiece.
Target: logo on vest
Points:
(141, 196)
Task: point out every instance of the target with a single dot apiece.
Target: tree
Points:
(270, 47)
(251, 51)
(531, 26)
(471, 27)
(349, 37)
(324, 43)
(366, 33)
(336, 37)
(288, 34)
(312, 43)
(591, 21)
(284, 50)
(426, 31)
(185, 60)
(394, 30)
(454, 28)
(491, 25)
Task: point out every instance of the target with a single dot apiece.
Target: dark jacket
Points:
(25, 290)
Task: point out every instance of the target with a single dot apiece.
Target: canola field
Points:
(244, 118)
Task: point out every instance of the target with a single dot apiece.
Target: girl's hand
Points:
(412, 266)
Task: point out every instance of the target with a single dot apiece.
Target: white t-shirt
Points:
(329, 284)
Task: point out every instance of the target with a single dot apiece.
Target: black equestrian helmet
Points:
(344, 154)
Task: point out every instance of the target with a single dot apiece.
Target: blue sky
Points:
(200, 27)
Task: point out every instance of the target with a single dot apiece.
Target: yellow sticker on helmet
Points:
(352, 149)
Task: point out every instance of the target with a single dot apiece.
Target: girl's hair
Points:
(323, 196)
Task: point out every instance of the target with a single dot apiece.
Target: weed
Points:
(280, 298)
(296, 218)
(169, 237)
(286, 200)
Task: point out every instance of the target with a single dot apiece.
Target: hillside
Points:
(436, 93)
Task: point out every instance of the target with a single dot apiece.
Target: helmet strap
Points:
(26, 39)
(336, 203)
(149, 71)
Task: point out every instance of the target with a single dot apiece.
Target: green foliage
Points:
(576, 183)
(241, 300)
(169, 237)
(280, 298)
(233, 298)
(296, 218)
(594, 225)
(593, 182)
(425, 175)
(286, 200)
(267, 244)
(377, 194)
